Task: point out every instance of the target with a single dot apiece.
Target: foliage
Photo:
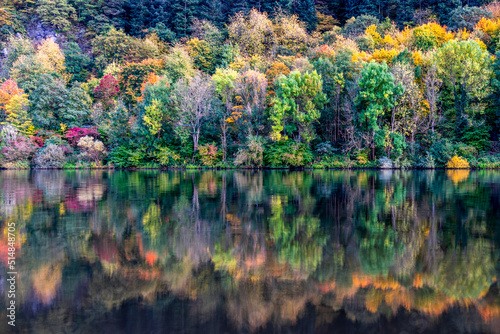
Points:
(208, 154)
(167, 157)
(253, 33)
(50, 156)
(202, 54)
(21, 148)
(299, 97)
(92, 149)
(76, 62)
(18, 116)
(457, 162)
(73, 135)
(106, 91)
(134, 74)
(287, 154)
(418, 87)
(57, 13)
(252, 154)
(53, 104)
(8, 90)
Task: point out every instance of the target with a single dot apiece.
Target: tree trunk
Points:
(196, 137)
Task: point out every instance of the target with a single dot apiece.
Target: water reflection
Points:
(230, 251)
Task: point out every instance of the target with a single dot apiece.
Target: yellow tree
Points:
(18, 116)
(50, 56)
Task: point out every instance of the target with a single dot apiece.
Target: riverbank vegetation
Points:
(207, 83)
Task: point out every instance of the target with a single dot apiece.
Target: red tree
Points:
(106, 91)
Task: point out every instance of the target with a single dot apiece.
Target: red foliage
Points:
(107, 90)
(38, 140)
(325, 51)
(73, 135)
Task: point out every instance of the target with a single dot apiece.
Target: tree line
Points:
(261, 87)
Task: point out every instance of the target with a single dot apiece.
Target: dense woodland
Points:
(338, 84)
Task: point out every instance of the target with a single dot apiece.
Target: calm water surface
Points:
(248, 251)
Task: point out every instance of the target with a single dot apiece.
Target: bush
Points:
(385, 163)
(51, 156)
(209, 154)
(362, 158)
(441, 150)
(167, 157)
(73, 135)
(20, 149)
(287, 154)
(457, 162)
(8, 133)
(325, 148)
(426, 162)
(92, 150)
(489, 162)
(466, 151)
(334, 161)
(121, 157)
(252, 154)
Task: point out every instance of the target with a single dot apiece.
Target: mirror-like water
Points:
(248, 251)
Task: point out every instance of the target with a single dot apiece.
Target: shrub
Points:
(20, 149)
(16, 165)
(288, 153)
(441, 150)
(121, 157)
(252, 154)
(92, 149)
(466, 151)
(8, 133)
(325, 148)
(51, 156)
(167, 157)
(208, 154)
(385, 163)
(73, 135)
(362, 158)
(457, 162)
(426, 162)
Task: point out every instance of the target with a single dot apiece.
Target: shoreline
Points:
(250, 168)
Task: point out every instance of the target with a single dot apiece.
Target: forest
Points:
(211, 83)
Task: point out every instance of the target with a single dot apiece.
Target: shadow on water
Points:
(252, 251)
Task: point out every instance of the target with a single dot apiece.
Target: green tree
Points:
(53, 104)
(299, 97)
(377, 94)
(57, 13)
(465, 68)
(77, 63)
(225, 86)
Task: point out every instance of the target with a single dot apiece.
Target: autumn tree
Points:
(193, 98)
(251, 87)
(106, 91)
(8, 90)
(253, 33)
(17, 114)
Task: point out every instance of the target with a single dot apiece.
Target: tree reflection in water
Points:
(191, 251)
